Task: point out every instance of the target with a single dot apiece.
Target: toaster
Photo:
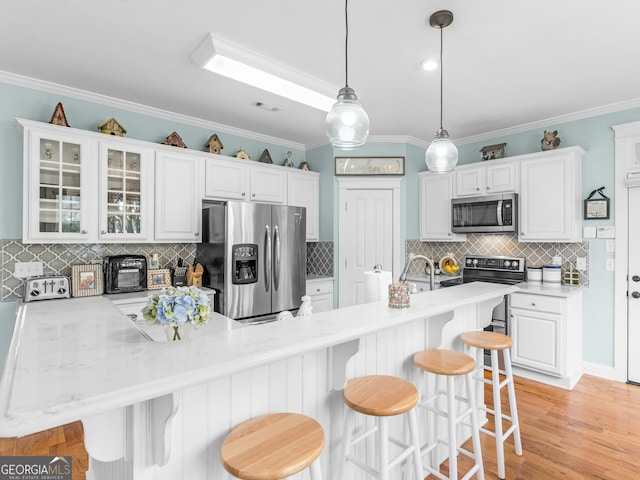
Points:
(46, 287)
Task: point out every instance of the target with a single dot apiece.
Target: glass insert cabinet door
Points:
(122, 195)
(60, 209)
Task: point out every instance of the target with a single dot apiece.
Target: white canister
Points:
(552, 274)
(534, 274)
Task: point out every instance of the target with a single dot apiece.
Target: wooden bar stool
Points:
(450, 365)
(273, 447)
(381, 396)
(497, 342)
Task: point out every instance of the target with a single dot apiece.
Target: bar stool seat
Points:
(381, 396)
(450, 364)
(273, 447)
(498, 342)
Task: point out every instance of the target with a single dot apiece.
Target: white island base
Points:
(169, 406)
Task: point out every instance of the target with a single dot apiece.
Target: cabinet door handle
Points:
(477, 189)
(253, 194)
(533, 304)
(488, 188)
(317, 289)
(103, 232)
(197, 233)
(84, 232)
(243, 194)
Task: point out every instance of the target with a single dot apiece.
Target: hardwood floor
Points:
(591, 432)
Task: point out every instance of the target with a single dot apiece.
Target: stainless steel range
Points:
(503, 270)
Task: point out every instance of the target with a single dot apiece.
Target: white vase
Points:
(177, 333)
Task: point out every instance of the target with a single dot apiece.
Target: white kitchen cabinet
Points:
(80, 187)
(547, 335)
(436, 191)
(493, 176)
(178, 195)
(321, 292)
(235, 179)
(550, 200)
(303, 191)
(57, 184)
(125, 203)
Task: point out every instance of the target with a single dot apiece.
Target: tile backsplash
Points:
(501, 245)
(58, 258)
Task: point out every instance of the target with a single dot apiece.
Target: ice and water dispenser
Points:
(244, 263)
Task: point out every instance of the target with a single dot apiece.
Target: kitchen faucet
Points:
(432, 278)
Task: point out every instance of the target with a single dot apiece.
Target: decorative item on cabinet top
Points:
(265, 157)
(174, 140)
(242, 154)
(304, 166)
(288, 162)
(214, 144)
(112, 127)
(369, 165)
(550, 140)
(58, 117)
(493, 152)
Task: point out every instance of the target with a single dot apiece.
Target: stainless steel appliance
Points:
(486, 214)
(125, 273)
(503, 270)
(46, 287)
(254, 256)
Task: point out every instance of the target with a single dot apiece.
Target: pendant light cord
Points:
(441, 83)
(346, 43)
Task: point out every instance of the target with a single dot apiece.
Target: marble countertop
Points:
(549, 289)
(73, 358)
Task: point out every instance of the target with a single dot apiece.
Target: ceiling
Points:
(506, 63)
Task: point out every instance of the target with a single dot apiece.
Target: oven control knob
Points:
(515, 264)
(507, 263)
(469, 261)
(475, 261)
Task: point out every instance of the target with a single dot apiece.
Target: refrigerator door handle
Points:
(267, 258)
(276, 260)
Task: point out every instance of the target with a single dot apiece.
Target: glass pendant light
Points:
(442, 154)
(347, 124)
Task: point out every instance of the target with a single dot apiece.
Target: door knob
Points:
(635, 278)
(635, 294)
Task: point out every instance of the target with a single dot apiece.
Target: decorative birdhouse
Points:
(174, 140)
(112, 127)
(213, 145)
(492, 152)
(58, 117)
(265, 157)
(304, 166)
(242, 154)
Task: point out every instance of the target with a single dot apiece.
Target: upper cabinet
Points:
(487, 178)
(436, 191)
(551, 196)
(303, 191)
(178, 191)
(236, 179)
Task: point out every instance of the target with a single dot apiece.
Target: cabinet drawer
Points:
(319, 287)
(540, 303)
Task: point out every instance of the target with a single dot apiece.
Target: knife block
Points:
(179, 276)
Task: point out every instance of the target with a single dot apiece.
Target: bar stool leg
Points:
(346, 441)
(415, 440)
(383, 448)
(316, 473)
(475, 426)
(436, 423)
(512, 402)
(451, 424)
(497, 409)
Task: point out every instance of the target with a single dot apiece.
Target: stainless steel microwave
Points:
(486, 214)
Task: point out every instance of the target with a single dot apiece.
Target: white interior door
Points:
(633, 287)
(365, 239)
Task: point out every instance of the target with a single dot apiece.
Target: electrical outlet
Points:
(610, 245)
(581, 263)
(610, 264)
(27, 269)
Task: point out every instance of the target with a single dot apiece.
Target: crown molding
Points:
(71, 92)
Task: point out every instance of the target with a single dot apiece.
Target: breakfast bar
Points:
(160, 410)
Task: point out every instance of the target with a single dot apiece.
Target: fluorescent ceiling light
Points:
(233, 61)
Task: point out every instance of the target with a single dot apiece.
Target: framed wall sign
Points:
(369, 165)
(596, 208)
(158, 278)
(86, 280)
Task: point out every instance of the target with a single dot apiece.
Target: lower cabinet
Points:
(547, 334)
(321, 292)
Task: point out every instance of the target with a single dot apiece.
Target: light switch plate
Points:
(27, 269)
(610, 264)
(581, 263)
(606, 232)
(589, 232)
(610, 245)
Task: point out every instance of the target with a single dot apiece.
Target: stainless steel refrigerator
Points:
(254, 257)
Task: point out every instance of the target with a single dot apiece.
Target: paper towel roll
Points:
(376, 286)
